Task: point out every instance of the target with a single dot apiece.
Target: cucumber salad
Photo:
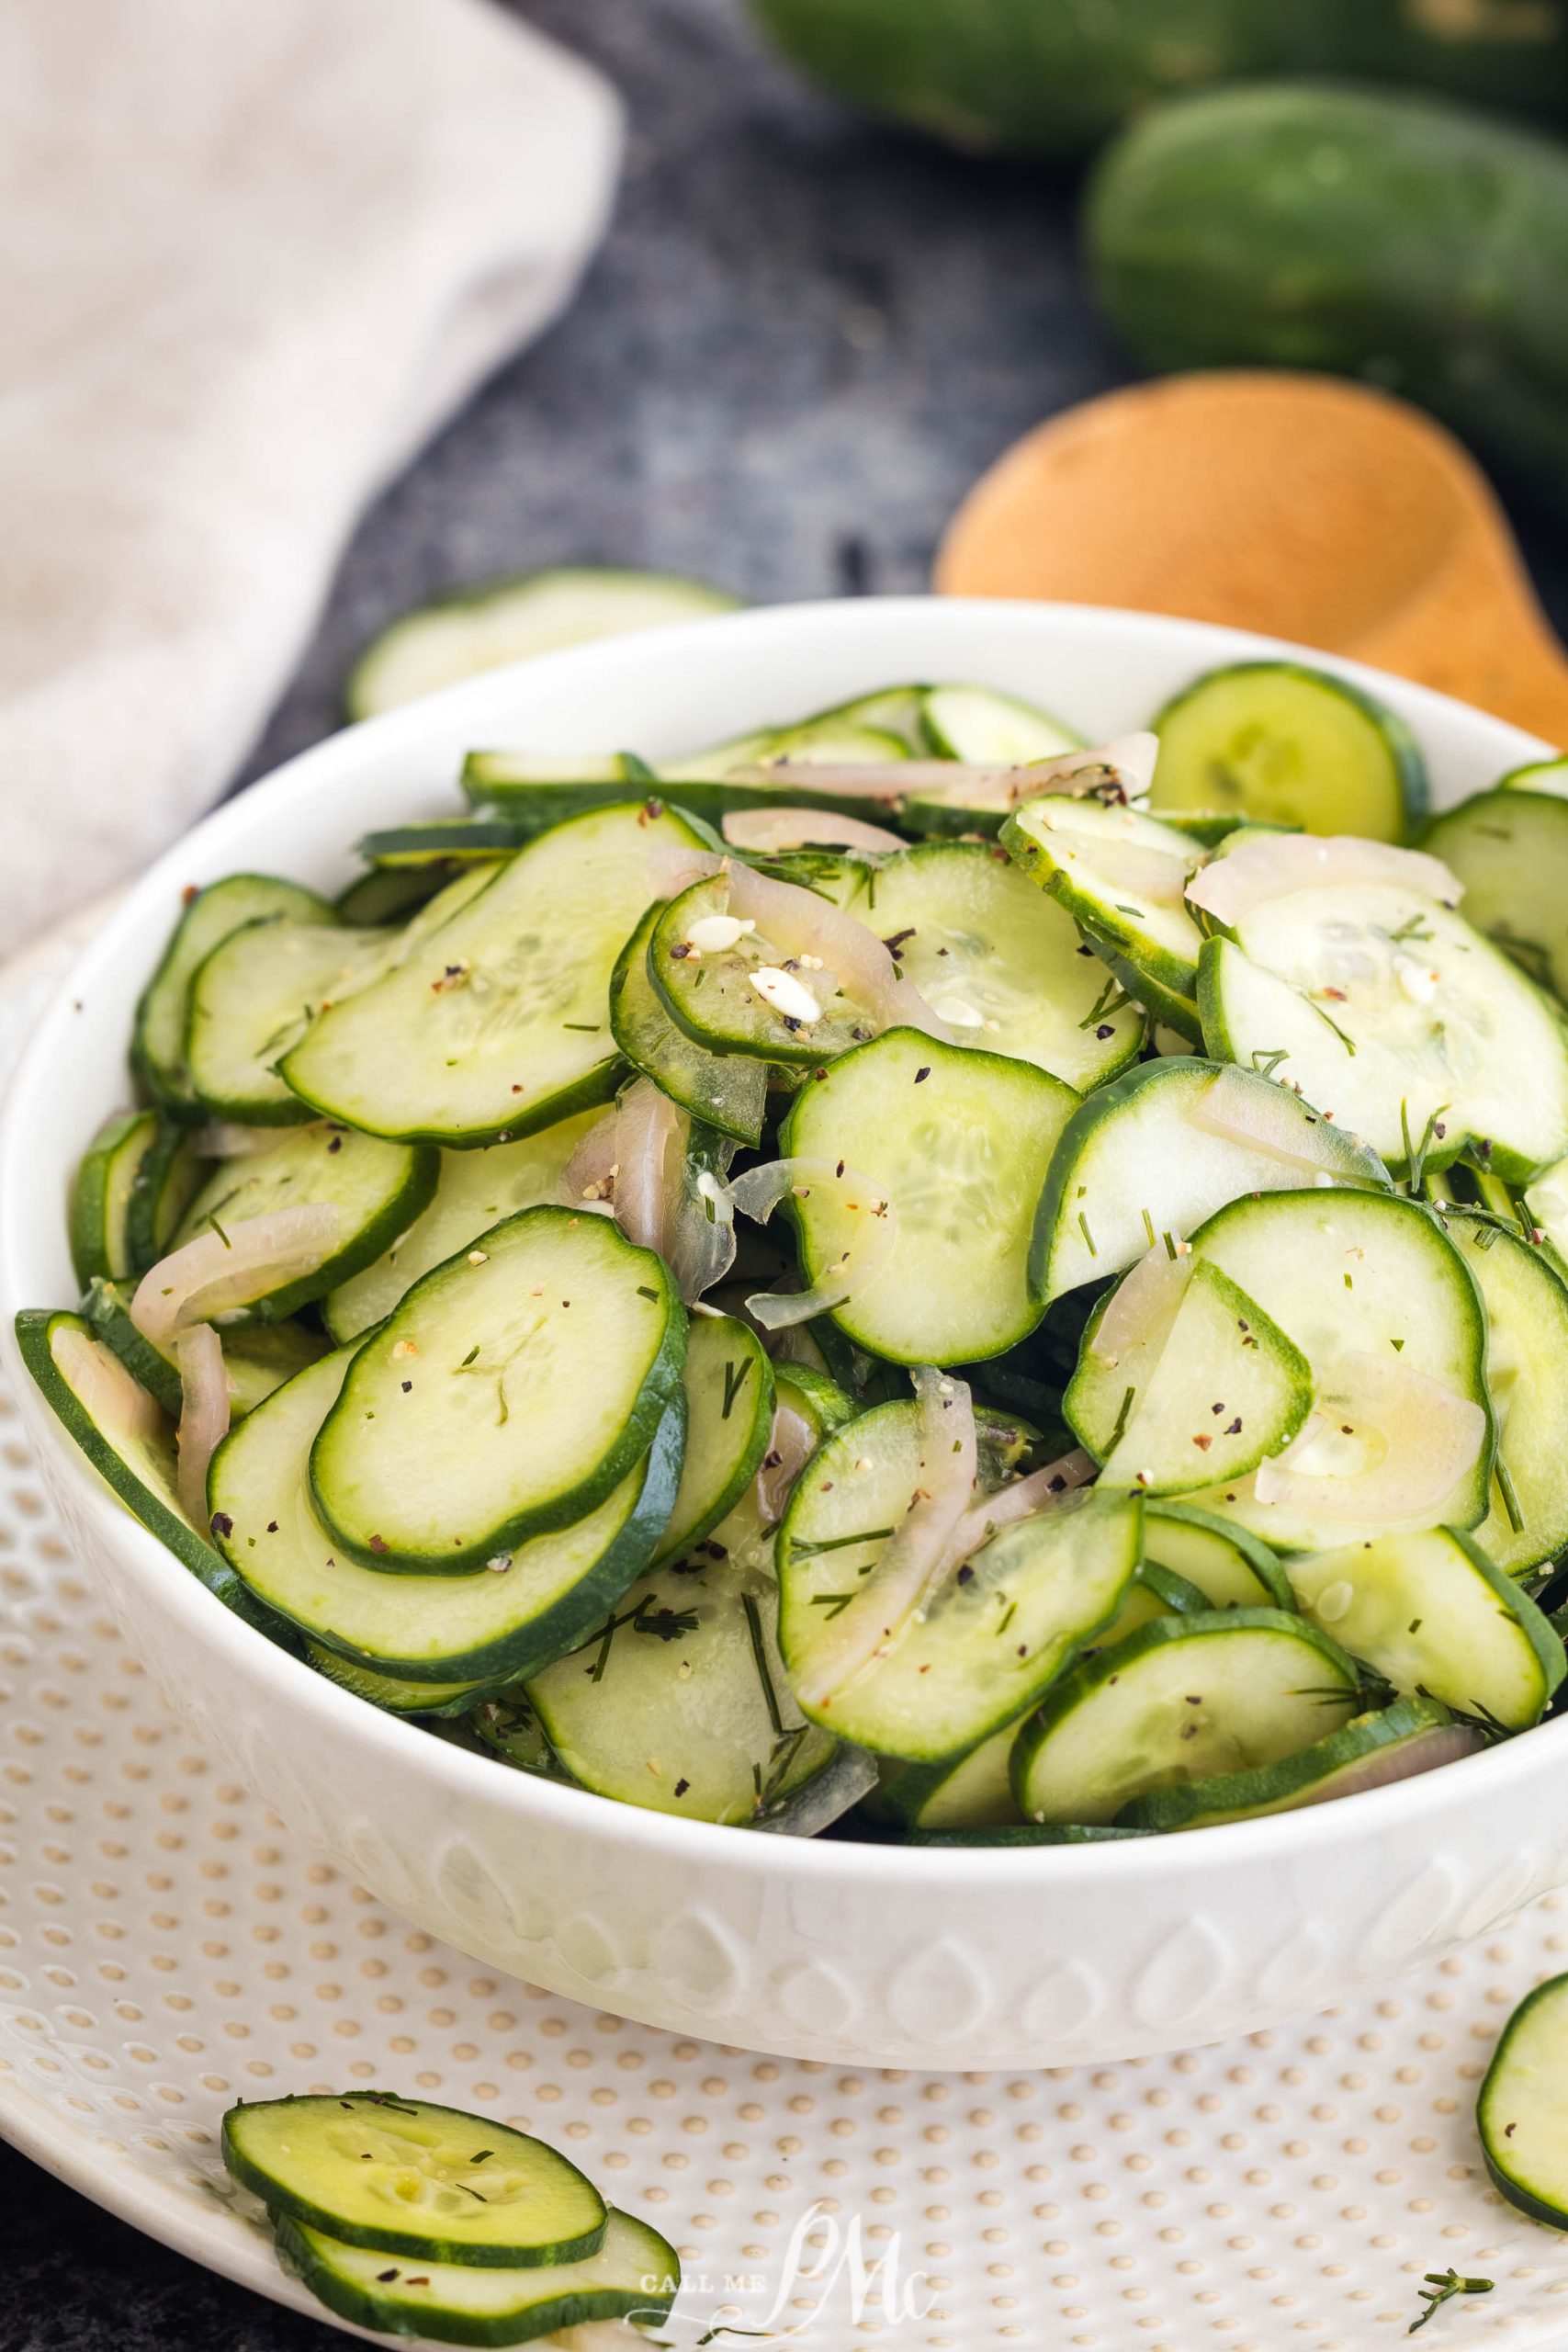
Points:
(908, 1271)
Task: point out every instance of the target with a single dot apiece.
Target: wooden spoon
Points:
(1300, 505)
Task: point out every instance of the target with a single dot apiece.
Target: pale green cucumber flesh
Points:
(1230, 1567)
(991, 729)
(255, 996)
(726, 1090)
(158, 1037)
(1519, 2112)
(1070, 847)
(1314, 1775)
(101, 1193)
(165, 1183)
(1509, 848)
(976, 1793)
(442, 842)
(393, 1692)
(1527, 1375)
(730, 1416)
(711, 998)
(1280, 743)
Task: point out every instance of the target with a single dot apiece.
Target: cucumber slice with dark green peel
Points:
(158, 1039)
(750, 997)
(1121, 876)
(1387, 1313)
(727, 1090)
(815, 1396)
(1519, 2113)
(1154, 1592)
(976, 1793)
(508, 1726)
(491, 1627)
(388, 895)
(958, 1143)
(679, 1703)
(1538, 776)
(1509, 848)
(389, 1691)
(532, 791)
(635, 2275)
(991, 729)
(257, 1358)
(1210, 827)
(833, 739)
(729, 1414)
(892, 710)
(107, 1306)
(1231, 1569)
(127, 1438)
(512, 620)
(406, 2177)
(1413, 1734)
(164, 1184)
(1527, 1374)
(378, 1190)
(1159, 1151)
(498, 1023)
(992, 1635)
(1200, 1390)
(255, 996)
(100, 1196)
(474, 1190)
(449, 842)
(514, 1387)
(1004, 971)
(1184, 1698)
(1290, 745)
(1433, 1617)
(1026, 1833)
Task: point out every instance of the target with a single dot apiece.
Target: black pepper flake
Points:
(221, 1523)
(272, 1527)
(407, 1386)
(923, 1074)
(1104, 1030)
(680, 1787)
(771, 1461)
(966, 1575)
(1056, 1484)
(679, 954)
(1234, 1429)
(336, 1144)
(385, 2278)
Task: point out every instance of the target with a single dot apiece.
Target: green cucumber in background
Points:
(1405, 240)
(1053, 77)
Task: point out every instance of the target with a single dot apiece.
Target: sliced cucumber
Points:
(388, 894)
(378, 1190)
(1538, 776)
(1025, 1833)
(162, 1190)
(100, 1196)
(1121, 876)
(679, 1702)
(960, 1142)
(158, 1039)
(815, 1396)
(1231, 1569)
(1394, 1018)
(257, 1358)
(976, 1793)
(390, 1692)
(1136, 1162)
(1519, 2111)
(1290, 745)
(407, 2177)
(1184, 1698)
(1527, 1374)
(1434, 1619)
(1330, 1768)
(729, 1413)
(512, 620)
(833, 739)
(716, 998)
(510, 1392)
(635, 2275)
(727, 1090)
(1509, 848)
(991, 729)
(485, 1627)
(1004, 971)
(498, 1023)
(446, 843)
(474, 1190)
(255, 995)
(991, 1637)
(1154, 1592)
(107, 1306)
(510, 1729)
(1205, 1396)
(890, 710)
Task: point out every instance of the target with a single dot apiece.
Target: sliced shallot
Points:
(791, 1441)
(204, 1414)
(1424, 1752)
(588, 1180)
(801, 923)
(701, 1238)
(219, 1271)
(224, 1139)
(650, 1139)
(1275, 863)
(1385, 1446)
(1260, 1115)
(855, 1195)
(777, 829)
(1042, 1490)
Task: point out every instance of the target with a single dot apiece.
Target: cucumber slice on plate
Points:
(513, 1388)
(635, 2275)
(1122, 877)
(100, 1196)
(1002, 970)
(404, 2175)
(1291, 745)
(1184, 1698)
(1519, 2113)
(991, 729)
(158, 1037)
(391, 1692)
(1231, 1569)
(1538, 776)
(1434, 1619)
(728, 1384)
(727, 1090)
(1411, 1734)
(1161, 1149)
(474, 1190)
(1509, 848)
(498, 1023)
(1527, 1374)
(489, 1627)
(958, 1143)
(378, 1190)
(1199, 1388)
(512, 620)
(255, 996)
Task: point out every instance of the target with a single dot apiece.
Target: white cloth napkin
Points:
(251, 252)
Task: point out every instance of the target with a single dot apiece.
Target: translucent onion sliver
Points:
(217, 1273)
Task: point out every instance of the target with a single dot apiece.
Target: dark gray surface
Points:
(804, 339)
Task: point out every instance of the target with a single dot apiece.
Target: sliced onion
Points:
(701, 1239)
(649, 1136)
(223, 1139)
(1042, 1490)
(118, 1405)
(756, 1195)
(776, 829)
(1400, 1760)
(791, 1444)
(801, 923)
(1275, 864)
(849, 1775)
(911, 1565)
(219, 1271)
(204, 1414)
(1260, 1115)
(1384, 1446)
(588, 1179)
(1124, 768)
(673, 866)
(1142, 1309)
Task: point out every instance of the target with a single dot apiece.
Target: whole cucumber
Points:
(1408, 241)
(1053, 77)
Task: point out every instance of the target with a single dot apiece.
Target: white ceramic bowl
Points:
(849, 1953)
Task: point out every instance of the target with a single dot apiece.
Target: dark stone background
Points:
(803, 340)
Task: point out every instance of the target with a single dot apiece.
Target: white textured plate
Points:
(165, 1947)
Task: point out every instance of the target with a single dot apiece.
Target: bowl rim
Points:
(467, 1774)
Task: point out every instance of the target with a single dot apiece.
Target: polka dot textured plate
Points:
(166, 1947)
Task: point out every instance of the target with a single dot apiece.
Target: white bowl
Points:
(851, 1954)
